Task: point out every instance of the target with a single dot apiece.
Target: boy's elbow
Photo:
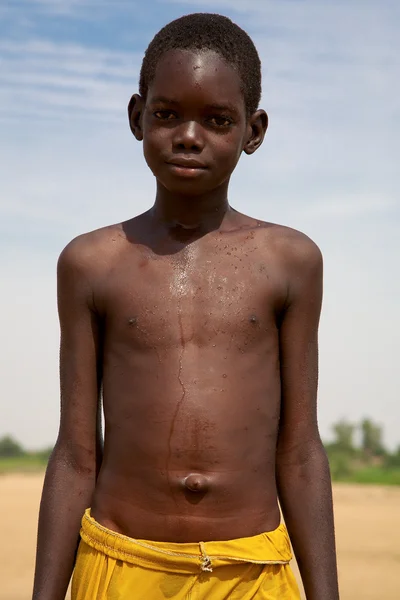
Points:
(305, 456)
(303, 472)
(75, 458)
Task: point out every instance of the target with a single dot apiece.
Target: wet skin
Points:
(186, 303)
(191, 386)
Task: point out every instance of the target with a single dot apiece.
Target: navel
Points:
(196, 483)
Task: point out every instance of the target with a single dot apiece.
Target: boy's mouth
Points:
(186, 163)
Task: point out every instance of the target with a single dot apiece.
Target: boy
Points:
(198, 327)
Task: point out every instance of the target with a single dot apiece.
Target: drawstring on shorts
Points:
(206, 564)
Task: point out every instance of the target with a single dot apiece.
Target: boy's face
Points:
(194, 123)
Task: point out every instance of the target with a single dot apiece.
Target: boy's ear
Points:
(135, 113)
(258, 125)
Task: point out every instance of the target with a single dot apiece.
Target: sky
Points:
(328, 166)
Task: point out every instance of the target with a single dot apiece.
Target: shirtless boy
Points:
(197, 325)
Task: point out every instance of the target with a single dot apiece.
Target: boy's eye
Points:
(220, 121)
(164, 114)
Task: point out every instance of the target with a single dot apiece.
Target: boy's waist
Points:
(266, 548)
(216, 509)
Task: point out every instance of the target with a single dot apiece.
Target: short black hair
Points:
(207, 31)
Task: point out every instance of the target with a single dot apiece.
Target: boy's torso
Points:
(191, 381)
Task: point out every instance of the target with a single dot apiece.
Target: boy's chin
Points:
(191, 189)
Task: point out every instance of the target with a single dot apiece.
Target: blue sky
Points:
(329, 167)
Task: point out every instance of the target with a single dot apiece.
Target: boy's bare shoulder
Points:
(297, 257)
(94, 250)
(295, 246)
(289, 245)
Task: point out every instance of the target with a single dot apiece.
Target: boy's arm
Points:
(302, 469)
(71, 472)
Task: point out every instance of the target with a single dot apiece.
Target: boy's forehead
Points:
(204, 72)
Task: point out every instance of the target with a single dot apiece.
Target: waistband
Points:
(266, 548)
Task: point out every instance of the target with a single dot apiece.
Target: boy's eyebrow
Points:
(215, 106)
(164, 100)
(228, 107)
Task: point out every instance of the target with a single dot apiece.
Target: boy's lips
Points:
(186, 163)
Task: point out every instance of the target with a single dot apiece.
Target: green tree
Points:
(341, 452)
(344, 432)
(393, 460)
(10, 448)
(371, 440)
(341, 465)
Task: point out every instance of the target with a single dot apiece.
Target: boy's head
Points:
(200, 86)
(204, 31)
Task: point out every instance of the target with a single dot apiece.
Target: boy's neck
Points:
(194, 212)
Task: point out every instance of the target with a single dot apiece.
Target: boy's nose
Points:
(188, 136)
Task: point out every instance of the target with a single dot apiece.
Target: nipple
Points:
(196, 483)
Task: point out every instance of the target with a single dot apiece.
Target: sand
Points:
(367, 526)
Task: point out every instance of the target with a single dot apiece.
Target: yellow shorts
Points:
(111, 566)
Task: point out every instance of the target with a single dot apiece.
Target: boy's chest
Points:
(191, 297)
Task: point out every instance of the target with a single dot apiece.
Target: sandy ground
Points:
(367, 525)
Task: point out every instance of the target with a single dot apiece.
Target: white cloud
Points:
(69, 8)
(42, 76)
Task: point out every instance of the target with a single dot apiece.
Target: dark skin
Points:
(201, 326)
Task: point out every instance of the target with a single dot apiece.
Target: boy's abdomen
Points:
(148, 505)
(190, 444)
(191, 387)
